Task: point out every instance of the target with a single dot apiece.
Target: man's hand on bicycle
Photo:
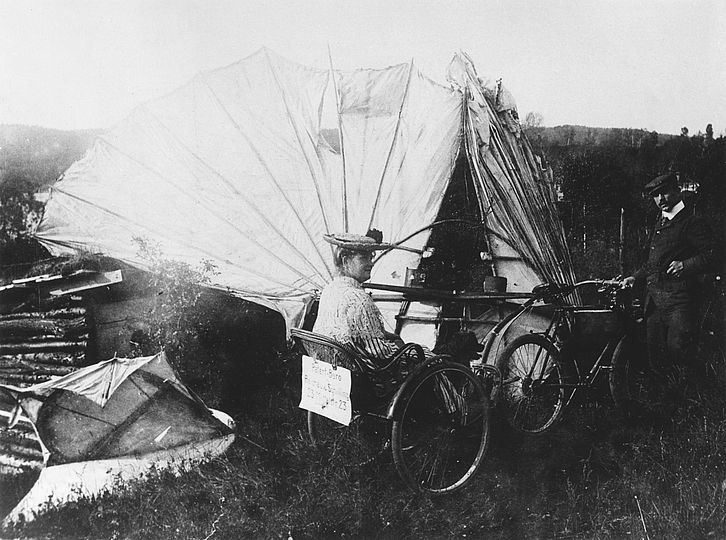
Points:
(627, 282)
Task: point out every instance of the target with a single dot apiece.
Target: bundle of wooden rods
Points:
(36, 345)
(19, 449)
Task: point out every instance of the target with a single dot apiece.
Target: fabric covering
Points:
(516, 195)
(97, 382)
(121, 407)
(234, 168)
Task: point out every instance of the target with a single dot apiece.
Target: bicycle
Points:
(433, 415)
(538, 374)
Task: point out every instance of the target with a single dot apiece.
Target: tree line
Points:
(600, 174)
(30, 157)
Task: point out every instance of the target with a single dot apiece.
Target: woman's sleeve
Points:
(364, 320)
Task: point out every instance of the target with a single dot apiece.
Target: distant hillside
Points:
(568, 135)
(38, 155)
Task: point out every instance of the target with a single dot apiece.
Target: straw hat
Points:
(355, 242)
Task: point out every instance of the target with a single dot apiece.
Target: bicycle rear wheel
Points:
(630, 384)
(440, 437)
(532, 395)
(355, 445)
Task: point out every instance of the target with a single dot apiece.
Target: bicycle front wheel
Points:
(532, 395)
(442, 433)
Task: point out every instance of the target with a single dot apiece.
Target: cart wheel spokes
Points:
(443, 431)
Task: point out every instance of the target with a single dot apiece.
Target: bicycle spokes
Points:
(530, 367)
(532, 393)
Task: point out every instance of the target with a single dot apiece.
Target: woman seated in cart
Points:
(431, 407)
(348, 314)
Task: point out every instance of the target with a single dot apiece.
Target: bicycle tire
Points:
(532, 395)
(442, 433)
(630, 386)
(354, 445)
(711, 354)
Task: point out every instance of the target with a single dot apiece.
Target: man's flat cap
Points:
(663, 182)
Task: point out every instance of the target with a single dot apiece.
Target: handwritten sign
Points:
(326, 391)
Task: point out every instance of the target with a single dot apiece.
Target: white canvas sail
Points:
(234, 168)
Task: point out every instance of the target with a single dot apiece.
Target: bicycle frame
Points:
(565, 322)
(563, 317)
(556, 292)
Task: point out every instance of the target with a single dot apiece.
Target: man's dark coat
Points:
(685, 238)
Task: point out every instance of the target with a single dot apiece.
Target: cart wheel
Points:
(532, 395)
(442, 432)
(355, 445)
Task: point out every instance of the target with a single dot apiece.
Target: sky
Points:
(647, 64)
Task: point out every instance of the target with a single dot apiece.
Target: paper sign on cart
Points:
(326, 391)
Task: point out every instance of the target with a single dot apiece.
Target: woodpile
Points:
(44, 333)
(38, 344)
(19, 450)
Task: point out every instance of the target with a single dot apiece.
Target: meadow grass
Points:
(596, 475)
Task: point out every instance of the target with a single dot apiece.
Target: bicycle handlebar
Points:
(599, 282)
(561, 289)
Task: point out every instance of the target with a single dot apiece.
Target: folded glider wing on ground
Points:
(111, 422)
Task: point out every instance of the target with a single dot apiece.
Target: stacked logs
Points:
(19, 449)
(36, 345)
(40, 337)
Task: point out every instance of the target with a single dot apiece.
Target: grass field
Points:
(595, 475)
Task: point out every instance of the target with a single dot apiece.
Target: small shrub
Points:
(224, 348)
(178, 286)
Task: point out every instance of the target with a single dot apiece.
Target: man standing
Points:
(681, 248)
